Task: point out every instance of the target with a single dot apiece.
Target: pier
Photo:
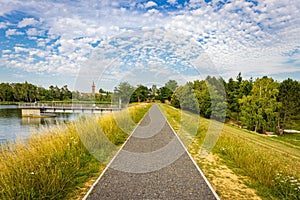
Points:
(44, 109)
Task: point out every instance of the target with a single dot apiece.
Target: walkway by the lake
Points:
(152, 164)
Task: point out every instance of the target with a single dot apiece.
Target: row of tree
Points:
(260, 105)
(128, 93)
(26, 92)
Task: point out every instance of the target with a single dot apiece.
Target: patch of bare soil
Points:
(79, 193)
(225, 182)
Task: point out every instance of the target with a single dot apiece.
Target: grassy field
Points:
(290, 138)
(58, 164)
(268, 166)
(8, 103)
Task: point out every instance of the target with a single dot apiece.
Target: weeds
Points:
(272, 173)
(287, 187)
(55, 164)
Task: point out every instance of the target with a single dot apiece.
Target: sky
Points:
(76, 42)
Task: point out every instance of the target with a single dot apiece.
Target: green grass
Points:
(8, 103)
(59, 162)
(272, 166)
(291, 138)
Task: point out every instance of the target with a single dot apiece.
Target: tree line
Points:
(27, 92)
(260, 105)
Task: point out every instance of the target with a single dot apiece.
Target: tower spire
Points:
(93, 88)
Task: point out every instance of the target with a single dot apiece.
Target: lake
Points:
(14, 126)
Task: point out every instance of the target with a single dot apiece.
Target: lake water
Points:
(14, 126)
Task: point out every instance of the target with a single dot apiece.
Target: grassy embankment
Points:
(57, 164)
(269, 166)
(8, 103)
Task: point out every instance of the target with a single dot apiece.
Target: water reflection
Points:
(13, 126)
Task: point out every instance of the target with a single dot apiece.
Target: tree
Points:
(153, 92)
(42, 94)
(289, 96)
(203, 97)
(235, 90)
(101, 91)
(123, 92)
(6, 92)
(18, 92)
(172, 85)
(217, 92)
(66, 94)
(140, 94)
(165, 92)
(184, 98)
(259, 111)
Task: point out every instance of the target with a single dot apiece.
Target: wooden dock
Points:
(42, 109)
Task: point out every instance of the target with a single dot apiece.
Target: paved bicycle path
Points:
(153, 164)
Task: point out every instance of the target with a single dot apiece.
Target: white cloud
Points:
(10, 32)
(6, 51)
(3, 25)
(251, 40)
(150, 4)
(20, 49)
(172, 1)
(27, 22)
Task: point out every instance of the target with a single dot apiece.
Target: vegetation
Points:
(26, 92)
(263, 105)
(289, 96)
(272, 167)
(56, 163)
(128, 93)
(261, 109)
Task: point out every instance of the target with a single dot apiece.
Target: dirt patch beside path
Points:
(225, 182)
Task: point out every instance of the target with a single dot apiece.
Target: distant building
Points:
(93, 88)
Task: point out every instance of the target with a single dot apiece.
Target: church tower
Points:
(93, 88)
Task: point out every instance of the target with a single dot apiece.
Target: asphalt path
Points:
(152, 164)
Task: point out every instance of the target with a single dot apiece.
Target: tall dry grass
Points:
(56, 163)
(275, 175)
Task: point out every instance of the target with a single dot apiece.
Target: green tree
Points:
(259, 111)
(165, 92)
(66, 94)
(6, 92)
(42, 94)
(217, 92)
(18, 92)
(101, 91)
(235, 90)
(172, 85)
(153, 92)
(123, 92)
(184, 98)
(203, 96)
(140, 94)
(289, 96)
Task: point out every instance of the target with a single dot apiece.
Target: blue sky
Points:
(73, 42)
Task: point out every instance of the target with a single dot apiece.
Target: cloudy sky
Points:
(74, 42)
